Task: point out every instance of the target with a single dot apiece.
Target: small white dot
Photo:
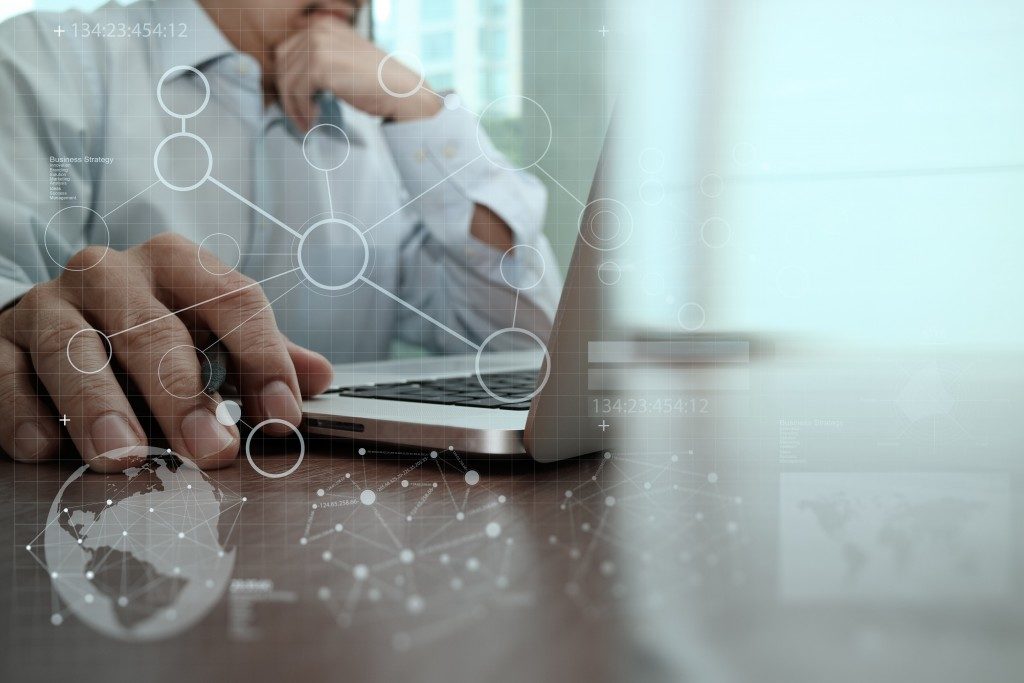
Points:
(109, 502)
(647, 486)
(472, 477)
(367, 497)
(472, 564)
(451, 448)
(712, 478)
(152, 510)
(56, 619)
(433, 454)
(568, 494)
(607, 455)
(452, 101)
(122, 601)
(414, 604)
(460, 516)
(245, 499)
(303, 541)
(90, 575)
(406, 556)
(320, 493)
(124, 533)
(181, 534)
(609, 501)
(360, 572)
(502, 499)
(362, 451)
(89, 598)
(339, 527)
(493, 530)
(314, 506)
(79, 541)
(405, 483)
(324, 593)
(53, 575)
(29, 548)
(189, 487)
(444, 558)
(327, 556)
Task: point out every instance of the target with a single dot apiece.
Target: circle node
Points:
(523, 265)
(691, 316)
(412, 61)
(545, 371)
(321, 261)
(101, 368)
(172, 372)
(183, 187)
(219, 243)
(536, 129)
(57, 233)
(323, 131)
(160, 92)
(298, 461)
(367, 497)
(606, 224)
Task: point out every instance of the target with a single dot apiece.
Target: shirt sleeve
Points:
(448, 165)
(41, 124)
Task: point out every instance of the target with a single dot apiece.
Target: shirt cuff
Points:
(447, 164)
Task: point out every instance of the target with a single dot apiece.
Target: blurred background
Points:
(814, 172)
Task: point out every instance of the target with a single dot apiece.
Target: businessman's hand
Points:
(330, 55)
(48, 364)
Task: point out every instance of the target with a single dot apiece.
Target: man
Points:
(156, 180)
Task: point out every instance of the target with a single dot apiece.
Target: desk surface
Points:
(840, 519)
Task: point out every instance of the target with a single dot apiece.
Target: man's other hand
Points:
(329, 55)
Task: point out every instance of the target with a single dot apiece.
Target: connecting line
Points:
(515, 309)
(202, 303)
(235, 328)
(125, 202)
(330, 199)
(421, 194)
(253, 206)
(420, 313)
(555, 181)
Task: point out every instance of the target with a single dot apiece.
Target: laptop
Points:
(518, 404)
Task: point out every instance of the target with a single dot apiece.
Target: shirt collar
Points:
(203, 41)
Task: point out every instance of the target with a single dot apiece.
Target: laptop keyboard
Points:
(454, 391)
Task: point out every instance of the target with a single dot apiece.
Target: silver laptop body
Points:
(378, 401)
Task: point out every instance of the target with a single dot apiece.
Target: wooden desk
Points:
(833, 519)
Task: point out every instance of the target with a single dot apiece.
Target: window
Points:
(438, 46)
(494, 43)
(436, 10)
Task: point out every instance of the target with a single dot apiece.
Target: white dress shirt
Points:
(81, 122)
